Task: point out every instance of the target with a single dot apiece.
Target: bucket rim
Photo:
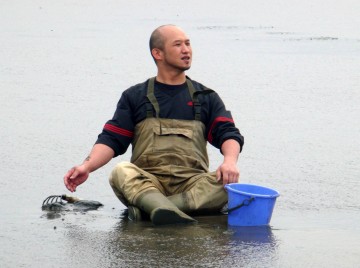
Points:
(276, 193)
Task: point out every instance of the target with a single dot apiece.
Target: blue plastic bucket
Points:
(250, 205)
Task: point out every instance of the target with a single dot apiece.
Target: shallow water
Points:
(288, 71)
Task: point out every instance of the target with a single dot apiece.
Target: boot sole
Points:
(162, 216)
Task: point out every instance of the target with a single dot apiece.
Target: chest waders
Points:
(168, 173)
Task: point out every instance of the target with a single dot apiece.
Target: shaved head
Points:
(157, 38)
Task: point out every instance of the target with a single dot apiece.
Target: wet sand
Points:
(289, 72)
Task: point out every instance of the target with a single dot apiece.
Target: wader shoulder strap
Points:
(152, 100)
(197, 105)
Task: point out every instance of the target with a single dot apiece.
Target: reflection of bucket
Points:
(250, 205)
(252, 234)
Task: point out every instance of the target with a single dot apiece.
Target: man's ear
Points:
(156, 53)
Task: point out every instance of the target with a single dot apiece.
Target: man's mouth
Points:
(185, 58)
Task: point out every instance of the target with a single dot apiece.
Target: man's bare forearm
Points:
(100, 155)
(231, 150)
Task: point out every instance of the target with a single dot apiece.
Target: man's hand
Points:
(228, 173)
(99, 156)
(75, 176)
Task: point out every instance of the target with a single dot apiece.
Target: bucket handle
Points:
(246, 202)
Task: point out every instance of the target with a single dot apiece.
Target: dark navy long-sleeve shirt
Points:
(175, 102)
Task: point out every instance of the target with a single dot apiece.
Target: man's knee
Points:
(121, 172)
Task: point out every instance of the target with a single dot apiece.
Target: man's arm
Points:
(228, 171)
(99, 156)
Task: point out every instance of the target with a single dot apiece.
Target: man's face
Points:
(177, 52)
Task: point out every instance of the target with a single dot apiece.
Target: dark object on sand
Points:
(68, 203)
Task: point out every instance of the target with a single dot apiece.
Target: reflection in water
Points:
(52, 215)
(209, 243)
(252, 234)
(253, 246)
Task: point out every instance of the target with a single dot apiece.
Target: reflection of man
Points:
(168, 120)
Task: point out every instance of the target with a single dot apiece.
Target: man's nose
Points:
(185, 48)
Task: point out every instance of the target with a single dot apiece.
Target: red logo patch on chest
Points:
(190, 103)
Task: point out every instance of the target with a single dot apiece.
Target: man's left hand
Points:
(228, 173)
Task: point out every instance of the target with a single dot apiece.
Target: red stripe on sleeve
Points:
(217, 120)
(119, 130)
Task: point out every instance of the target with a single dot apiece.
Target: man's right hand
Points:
(75, 176)
(99, 156)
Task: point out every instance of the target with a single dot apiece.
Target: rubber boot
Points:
(186, 203)
(161, 210)
(134, 214)
(182, 202)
